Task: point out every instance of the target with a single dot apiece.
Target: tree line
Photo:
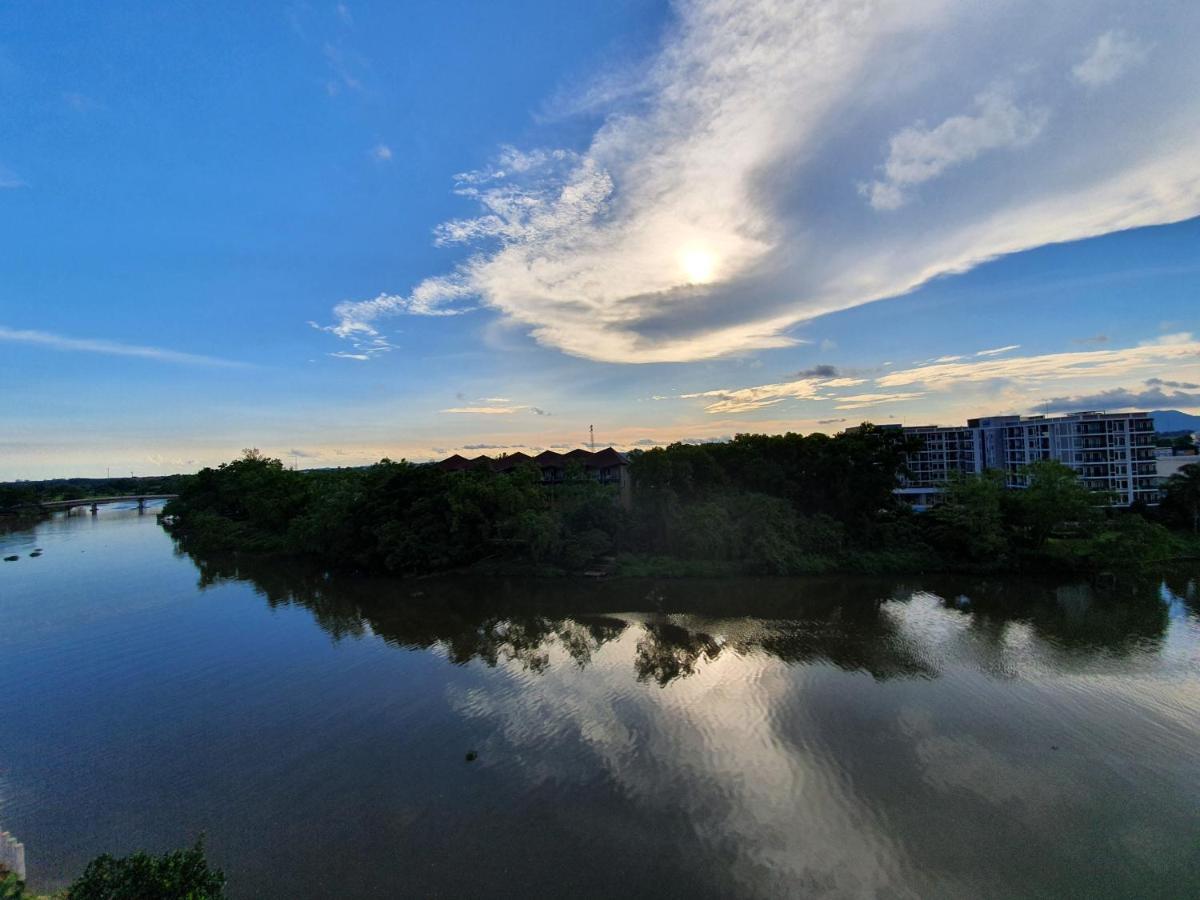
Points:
(16, 496)
(758, 504)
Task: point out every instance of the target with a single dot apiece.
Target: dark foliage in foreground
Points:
(179, 875)
(758, 504)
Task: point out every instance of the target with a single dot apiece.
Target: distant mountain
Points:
(1174, 420)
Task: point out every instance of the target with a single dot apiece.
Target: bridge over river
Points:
(96, 502)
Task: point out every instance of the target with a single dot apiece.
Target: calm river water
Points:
(746, 738)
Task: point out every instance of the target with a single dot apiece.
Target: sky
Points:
(344, 231)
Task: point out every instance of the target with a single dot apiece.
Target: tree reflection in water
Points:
(856, 624)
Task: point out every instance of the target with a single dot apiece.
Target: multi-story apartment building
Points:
(1113, 453)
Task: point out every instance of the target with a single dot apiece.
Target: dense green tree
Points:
(1053, 499)
(1185, 443)
(179, 875)
(1181, 496)
(1128, 541)
(968, 522)
(780, 505)
(11, 887)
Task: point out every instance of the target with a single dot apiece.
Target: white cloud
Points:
(918, 154)
(10, 179)
(863, 401)
(112, 348)
(996, 351)
(1175, 349)
(344, 66)
(382, 153)
(743, 146)
(497, 406)
(1098, 369)
(739, 400)
(1111, 55)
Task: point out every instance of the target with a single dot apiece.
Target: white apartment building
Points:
(1111, 452)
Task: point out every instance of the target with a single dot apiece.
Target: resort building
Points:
(606, 466)
(1112, 453)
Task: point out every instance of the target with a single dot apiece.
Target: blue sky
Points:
(338, 232)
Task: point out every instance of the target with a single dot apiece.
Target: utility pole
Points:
(592, 437)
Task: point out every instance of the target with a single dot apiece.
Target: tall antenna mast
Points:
(592, 436)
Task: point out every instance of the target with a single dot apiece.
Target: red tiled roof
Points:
(454, 463)
(607, 458)
(601, 459)
(511, 461)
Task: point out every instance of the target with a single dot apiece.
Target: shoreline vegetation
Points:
(140, 876)
(756, 505)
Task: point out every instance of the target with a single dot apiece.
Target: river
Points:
(358, 737)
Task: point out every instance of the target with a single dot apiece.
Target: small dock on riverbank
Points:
(12, 855)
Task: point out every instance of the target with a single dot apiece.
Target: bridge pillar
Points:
(141, 505)
(95, 507)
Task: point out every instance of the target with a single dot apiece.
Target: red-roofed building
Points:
(606, 466)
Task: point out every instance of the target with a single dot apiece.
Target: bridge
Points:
(96, 502)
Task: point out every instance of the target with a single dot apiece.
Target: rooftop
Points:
(547, 459)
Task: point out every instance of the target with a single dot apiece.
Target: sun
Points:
(699, 266)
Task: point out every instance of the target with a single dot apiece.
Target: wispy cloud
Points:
(740, 400)
(1177, 349)
(366, 341)
(740, 152)
(495, 406)
(10, 179)
(344, 66)
(918, 154)
(1176, 352)
(996, 351)
(113, 348)
(331, 31)
(1109, 57)
(381, 153)
(863, 401)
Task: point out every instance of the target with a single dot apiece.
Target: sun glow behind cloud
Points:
(776, 163)
(699, 266)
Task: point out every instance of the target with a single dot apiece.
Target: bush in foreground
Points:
(178, 875)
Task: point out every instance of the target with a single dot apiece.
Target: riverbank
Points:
(1059, 559)
(785, 505)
